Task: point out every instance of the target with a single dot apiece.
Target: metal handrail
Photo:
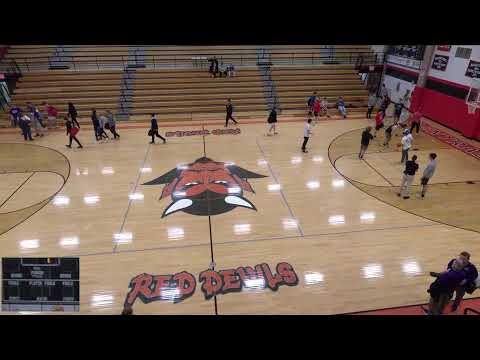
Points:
(154, 61)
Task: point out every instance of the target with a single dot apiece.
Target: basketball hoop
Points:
(472, 107)
(473, 98)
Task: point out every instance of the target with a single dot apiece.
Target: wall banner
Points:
(440, 62)
(473, 69)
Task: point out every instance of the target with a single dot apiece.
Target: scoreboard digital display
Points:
(40, 284)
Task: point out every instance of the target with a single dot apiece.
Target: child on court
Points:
(324, 107)
(272, 121)
(388, 133)
(366, 137)
(316, 108)
(428, 173)
(379, 122)
(341, 107)
(416, 118)
(411, 168)
(307, 131)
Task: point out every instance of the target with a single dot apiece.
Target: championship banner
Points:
(440, 62)
(473, 69)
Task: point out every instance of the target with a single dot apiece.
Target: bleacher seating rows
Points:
(179, 93)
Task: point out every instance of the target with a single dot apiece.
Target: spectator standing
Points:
(229, 109)
(406, 145)
(112, 125)
(443, 287)
(154, 130)
(72, 132)
(24, 125)
(272, 121)
(365, 141)
(428, 173)
(469, 285)
(72, 111)
(15, 113)
(411, 168)
(307, 131)
(341, 107)
(372, 101)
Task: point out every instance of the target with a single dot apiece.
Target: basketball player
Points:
(428, 173)
(307, 131)
(416, 118)
(71, 132)
(372, 101)
(388, 134)
(229, 108)
(310, 102)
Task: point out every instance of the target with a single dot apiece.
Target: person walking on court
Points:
(406, 144)
(416, 119)
(366, 137)
(428, 173)
(372, 101)
(388, 134)
(112, 125)
(154, 130)
(307, 131)
(72, 132)
(95, 123)
(36, 119)
(411, 168)
(229, 108)
(397, 112)
(272, 121)
(341, 107)
(73, 114)
(379, 122)
(101, 128)
(24, 125)
(445, 284)
(469, 284)
(52, 113)
(15, 113)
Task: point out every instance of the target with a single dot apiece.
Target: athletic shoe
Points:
(398, 194)
(80, 147)
(151, 142)
(69, 146)
(406, 197)
(164, 141)
(423, 195)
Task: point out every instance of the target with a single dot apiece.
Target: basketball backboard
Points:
(473, 98)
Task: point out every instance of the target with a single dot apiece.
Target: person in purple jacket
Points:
(15, 113)
(442, 288)
(468, 285)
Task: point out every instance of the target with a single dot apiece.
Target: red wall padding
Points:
(446, 110)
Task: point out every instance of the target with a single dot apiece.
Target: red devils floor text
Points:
(180, 286)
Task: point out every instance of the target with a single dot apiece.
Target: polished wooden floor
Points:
(353, 244)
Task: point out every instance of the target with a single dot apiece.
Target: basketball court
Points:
(336, 220)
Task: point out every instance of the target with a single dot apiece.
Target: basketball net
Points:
(472, 107)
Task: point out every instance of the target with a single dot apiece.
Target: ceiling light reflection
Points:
(371, 271)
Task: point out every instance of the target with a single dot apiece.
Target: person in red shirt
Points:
(379, 121)
(52, 113)
(416, 119)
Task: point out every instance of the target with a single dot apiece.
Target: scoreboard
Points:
(40, 284)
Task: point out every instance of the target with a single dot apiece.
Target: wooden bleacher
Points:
(86, 89)
(294, 84)
(191, 93)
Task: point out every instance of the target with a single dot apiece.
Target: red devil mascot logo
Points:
(206, 187)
